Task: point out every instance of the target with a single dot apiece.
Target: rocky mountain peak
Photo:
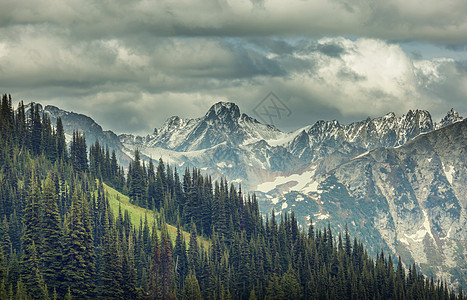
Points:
(53, 110)
(420, 119)
(173, 122)
(451, 117)
(223, 111)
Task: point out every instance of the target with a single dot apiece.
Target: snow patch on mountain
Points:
(361, 155)
(311, 187)
(296, 182)
(449, 172)
(321, 216)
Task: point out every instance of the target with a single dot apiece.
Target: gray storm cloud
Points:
(132, 64)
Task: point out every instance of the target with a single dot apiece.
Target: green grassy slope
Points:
(117, 199)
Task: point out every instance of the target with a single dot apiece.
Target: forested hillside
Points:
(60, 238)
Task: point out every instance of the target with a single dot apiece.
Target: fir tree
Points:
(32, 220)
(191, 290)
(167, 268)
(61, 141)
(128, 267)
(155, 272)
(111, 274)
(52, 237)
(35, 286)
(193, 251)
(78, 259)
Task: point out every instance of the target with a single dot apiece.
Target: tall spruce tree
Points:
(52, 237)
(111, 274)
(34, 282)
(136, 181)
(155, 271)
(61, 141)
(78, 258)
(32, 219)
(167, 268)
(191, 290)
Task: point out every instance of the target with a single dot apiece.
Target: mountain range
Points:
(396, 182)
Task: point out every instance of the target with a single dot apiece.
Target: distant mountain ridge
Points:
(222, 123)
(259, 149)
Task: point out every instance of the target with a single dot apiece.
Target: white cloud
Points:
(371, 77)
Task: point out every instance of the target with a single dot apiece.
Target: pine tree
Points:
(290, 284)
(191, 290)
(167, 268)
(32, 220)
(136, 181)
(128, 267)
(274, 289)
(160, 184)
(61, 141)
(151, 186)
(155, 272)
(32, 276)
(78, 152)
(78, 258)
(112, 266)
(21, 127)
(21, 293)
(35, 129)
(193, 251)
(52, 237)
(180, 258)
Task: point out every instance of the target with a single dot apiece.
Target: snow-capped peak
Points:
(451, 117)
(221, 110)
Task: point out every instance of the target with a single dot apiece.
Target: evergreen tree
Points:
(160, 184)
(32, 276)
(128, 267)
(52, 237)
(166, 265)
(136, 181)
(181, 259)
(111, 274)
(193, 251)
(35, 129)
(151, 186)
(78, 152)
(155, 277)
(32, 220)
(61, 141)
(290, 284)
(191, 290)
(78, 258)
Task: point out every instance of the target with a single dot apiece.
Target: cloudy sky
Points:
(131, 64)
